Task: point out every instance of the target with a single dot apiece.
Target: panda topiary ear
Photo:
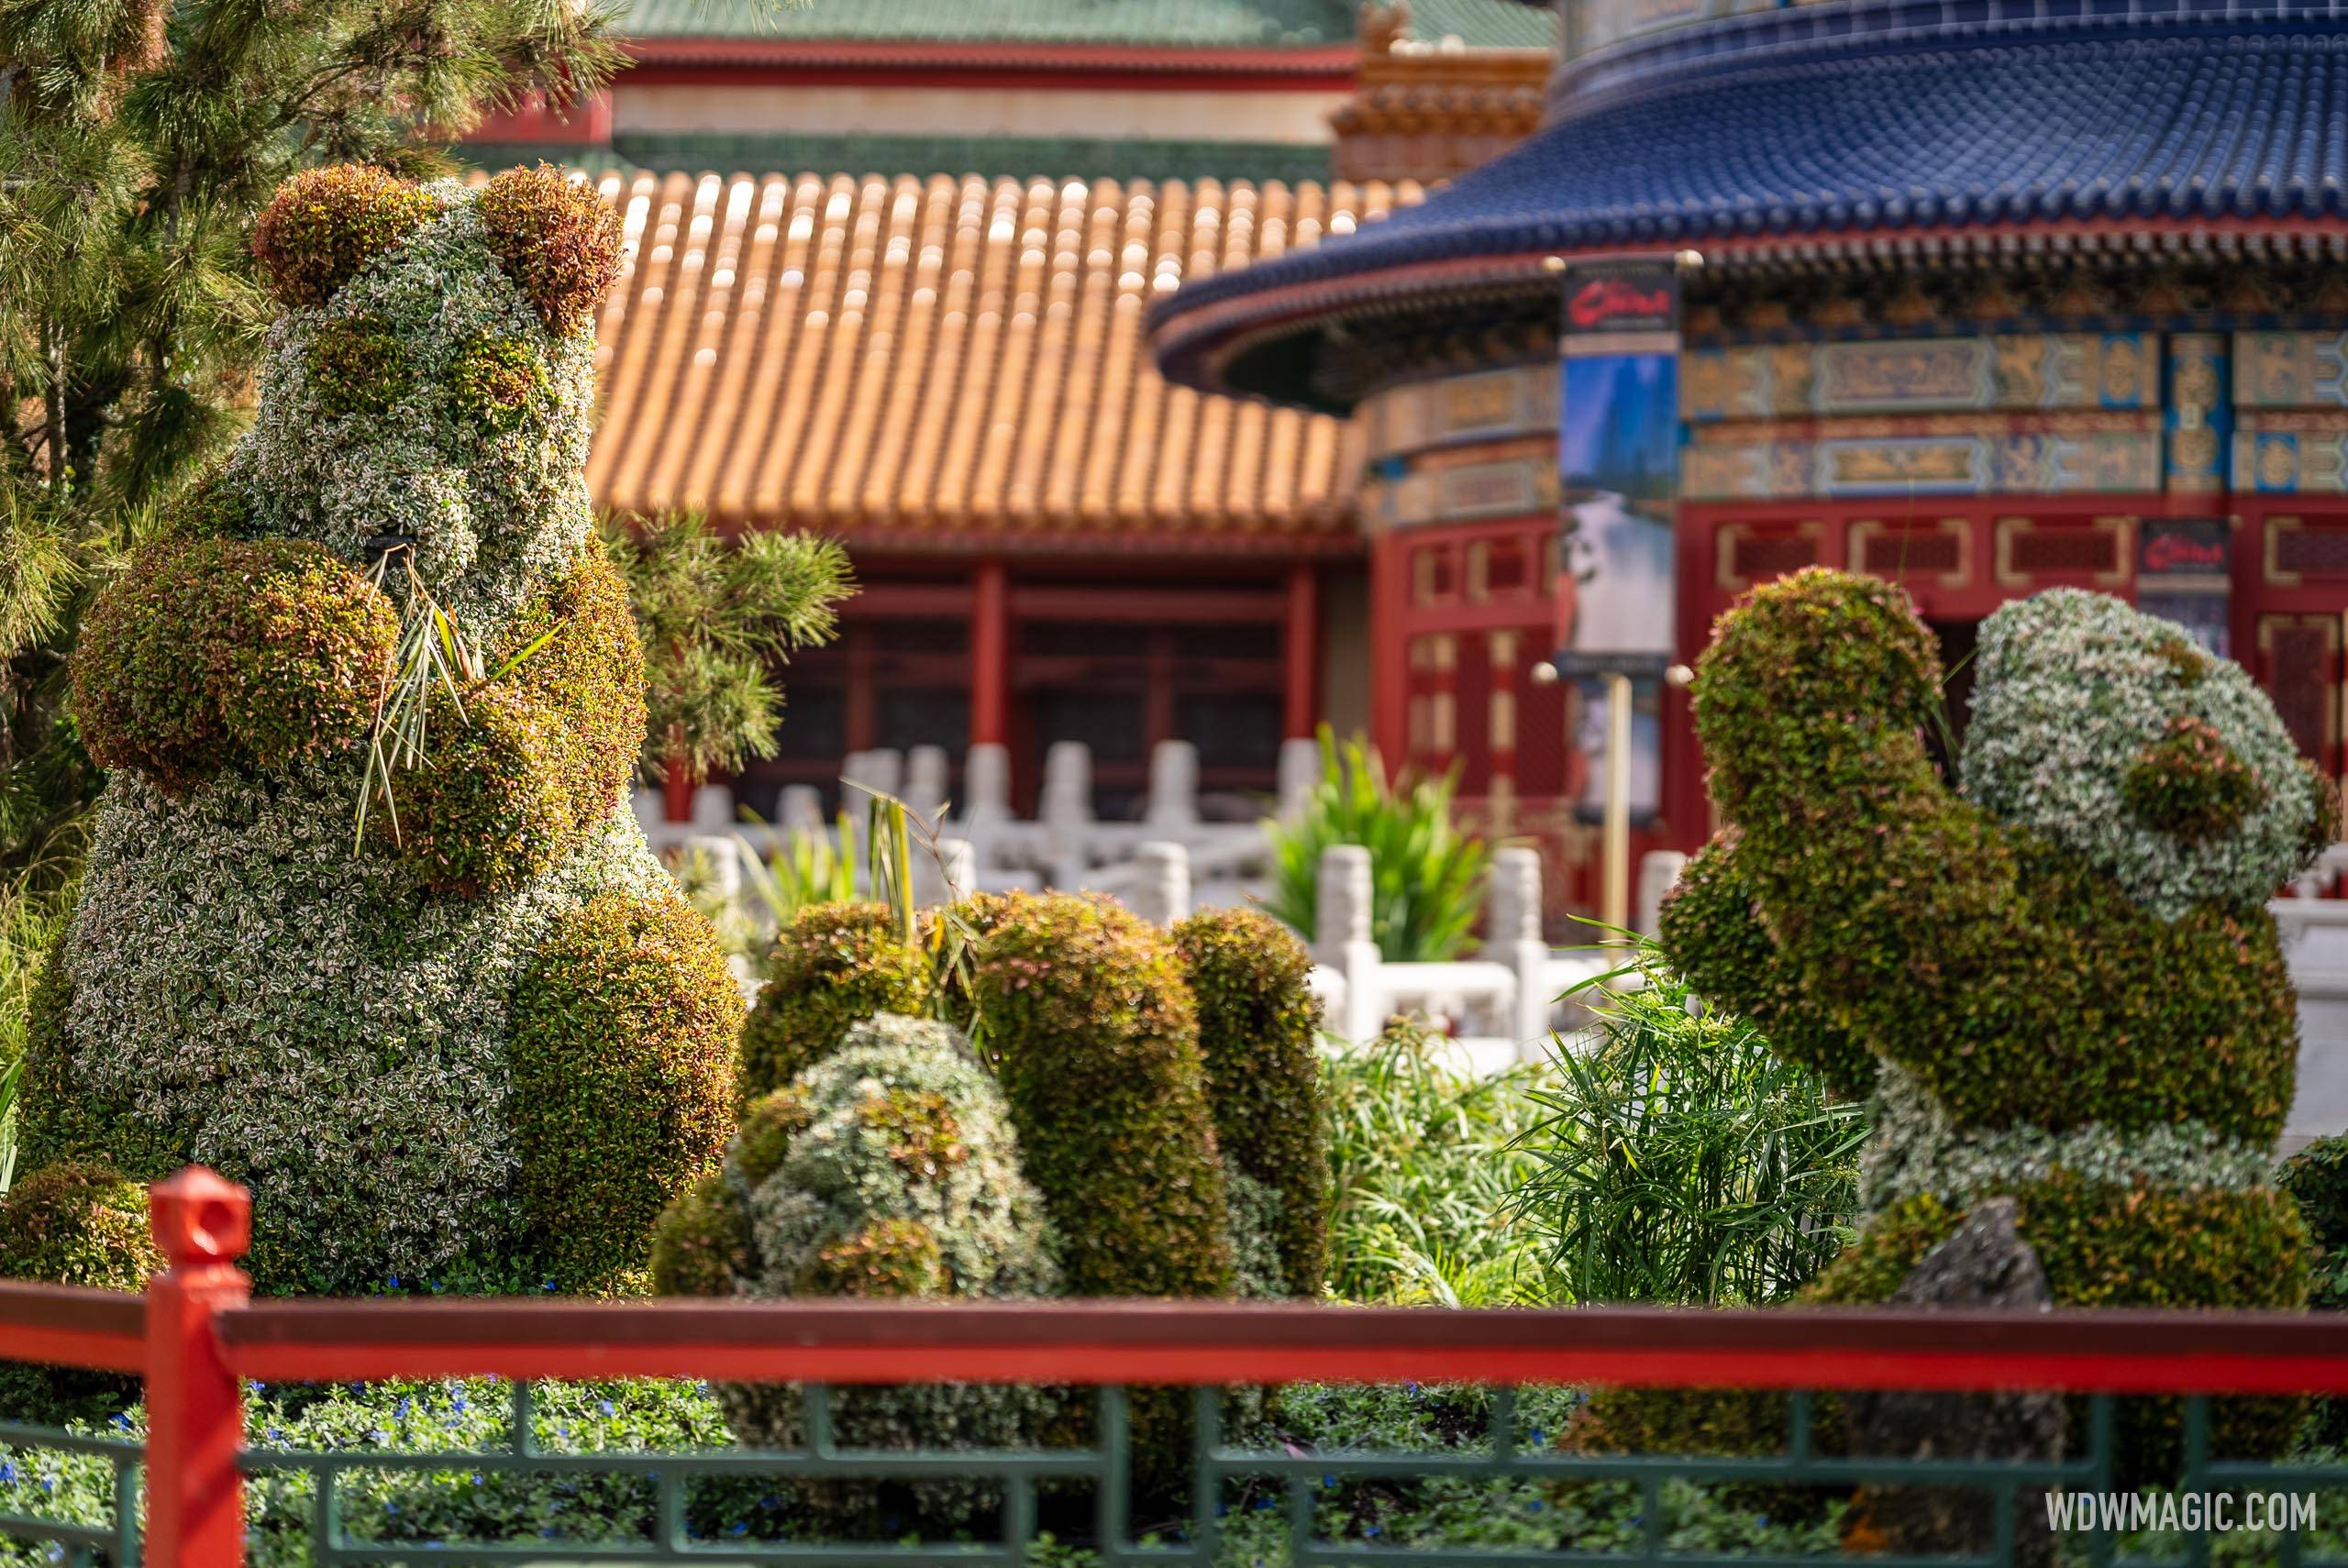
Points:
(556, 238)
(324, 224)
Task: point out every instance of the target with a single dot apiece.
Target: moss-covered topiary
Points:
(325, 223)
(2064, 980)
(556, 241)
(223, 653)
(487, 1050)
(1092, 1032)
(833, 966)
(888, 1169)
(1259, 1024)
(623, 1033)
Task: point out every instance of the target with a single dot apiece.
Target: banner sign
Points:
(2184, 569)
(1618, 468)
(1618, 460)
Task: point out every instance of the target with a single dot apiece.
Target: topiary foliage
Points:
(218, 653)
(556, 238)
(532, 761)
(833, 966)
(1091, 1031)
(325, 223)
(1259, 1024)
(622, 1050)
(888, 1169)
(483, 1051)
(2066, 977)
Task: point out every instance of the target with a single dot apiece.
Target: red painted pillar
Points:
(195, 1506)
(676, 790)
(1390, 696)
(1300, 654)
(989, 655)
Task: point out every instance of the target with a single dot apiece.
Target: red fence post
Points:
(195, 1508)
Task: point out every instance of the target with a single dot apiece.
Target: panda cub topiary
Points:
(480, 1042)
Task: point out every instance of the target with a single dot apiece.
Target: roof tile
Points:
(932, 357)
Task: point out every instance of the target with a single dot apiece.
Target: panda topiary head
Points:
(431, 379)
(2111, 732)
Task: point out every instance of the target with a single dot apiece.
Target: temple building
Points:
(1986, 296)
(890, 269)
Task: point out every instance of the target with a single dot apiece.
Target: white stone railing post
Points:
(1658, 871)
(928, 777)
(1299, 770)
(1161, 891)
(1173, 785)
(1341, 938)
(1512, 936)
(798, 811)
(1066, 810)
(986, 785)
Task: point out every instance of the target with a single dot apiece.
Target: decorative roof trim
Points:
(1195, 348)
(1004, 64)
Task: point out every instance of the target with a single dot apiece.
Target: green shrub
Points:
(496, 379)
(74, 1224)
(832, 967)
(623, 1027)
(208, 654)
(1425, 1161)
(1682, 1161)
(1091, 1031)
(1426, 880)
(1260, 1028)
(2001, 967)
(2316, 1178)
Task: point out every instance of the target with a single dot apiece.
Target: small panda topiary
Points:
(889, 1169)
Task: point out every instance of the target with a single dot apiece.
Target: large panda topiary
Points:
(482, 1043)
(2058, 982)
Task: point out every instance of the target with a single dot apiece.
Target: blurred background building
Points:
(890, 265)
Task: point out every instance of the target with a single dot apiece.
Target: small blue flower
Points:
(7, 1470)
(1536, 1505)
(548, 1287)
(1371, 1531)
(276, 1434)
(395, 1282)
(399, 1411)
(738, 1528)
(1536, 1437)
(378, 1435)
(476, 1477)
(605, 1406)
(393, 1509)
(1328, 1480)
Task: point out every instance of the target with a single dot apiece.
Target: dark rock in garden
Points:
(1985, 1265)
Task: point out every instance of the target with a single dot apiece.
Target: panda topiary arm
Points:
(541, 755)
(211, 653)
(1873, 879)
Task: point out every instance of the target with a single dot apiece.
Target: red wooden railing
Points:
(195, 1333)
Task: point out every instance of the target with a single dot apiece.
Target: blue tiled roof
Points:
(2195, 121)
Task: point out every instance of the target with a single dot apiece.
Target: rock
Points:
(1985, 1265)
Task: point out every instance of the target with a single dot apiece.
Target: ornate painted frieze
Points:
(2035, 371)
(2082, 455)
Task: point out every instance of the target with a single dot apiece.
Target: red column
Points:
(1301, 709)
(195, 1506)
(990, 655)
(1390, 696)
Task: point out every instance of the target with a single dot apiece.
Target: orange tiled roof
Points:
(922, 360)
